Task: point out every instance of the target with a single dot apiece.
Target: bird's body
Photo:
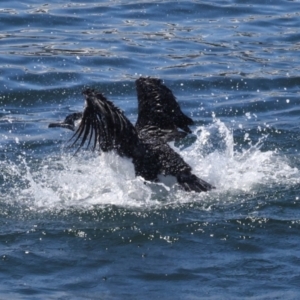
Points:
(160, 119)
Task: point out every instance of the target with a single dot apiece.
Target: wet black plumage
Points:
(105, 126)
(158, 107)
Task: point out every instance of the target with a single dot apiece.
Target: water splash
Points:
(214, 158)
(89, 180)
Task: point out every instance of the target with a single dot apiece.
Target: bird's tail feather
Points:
(190, 182)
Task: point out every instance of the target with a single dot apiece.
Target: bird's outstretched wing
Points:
(158, 108)
(105, 125)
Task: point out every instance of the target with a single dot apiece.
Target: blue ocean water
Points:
(83, 227)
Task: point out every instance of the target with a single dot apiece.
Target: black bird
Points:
(105, 126)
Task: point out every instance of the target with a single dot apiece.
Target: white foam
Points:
(88, 179)
(214, 158)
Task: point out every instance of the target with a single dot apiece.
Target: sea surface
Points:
(83, 226)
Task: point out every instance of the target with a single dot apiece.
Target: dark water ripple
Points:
(234, 66)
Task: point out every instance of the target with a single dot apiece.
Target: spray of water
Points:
(88, 179)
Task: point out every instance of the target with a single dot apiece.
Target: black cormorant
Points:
(159, 121)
